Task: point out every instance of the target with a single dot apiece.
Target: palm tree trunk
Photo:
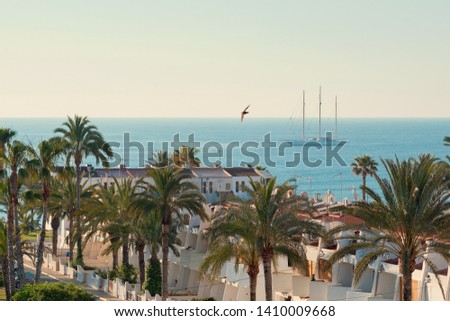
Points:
(125, 253)
(55, 223)
(78, 206)
(364, 187)
(253, 272)
(407, 287)
(6, 277)
(10, 236)
(71, 244)
(154, 254)
(141, 263)
(19, 254)
(406, 268)
(79, 243)
(115, 261)
(40, 251)
(165, 261)
(267, 264)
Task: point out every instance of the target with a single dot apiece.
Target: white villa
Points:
(380, 282)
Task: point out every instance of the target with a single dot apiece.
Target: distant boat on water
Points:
(325, 140)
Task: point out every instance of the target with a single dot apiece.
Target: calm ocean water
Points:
(380, 138)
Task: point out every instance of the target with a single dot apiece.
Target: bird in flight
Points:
(244, 112)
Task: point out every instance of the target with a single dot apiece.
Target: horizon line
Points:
(216, 117)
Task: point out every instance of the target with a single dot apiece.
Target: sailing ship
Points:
(327, 139)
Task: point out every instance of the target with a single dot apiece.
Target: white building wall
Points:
(300, 285)
(386, 285)
(318, 290)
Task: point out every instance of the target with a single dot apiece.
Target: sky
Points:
(210, 58)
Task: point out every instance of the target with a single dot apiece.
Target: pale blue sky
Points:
(211, 58)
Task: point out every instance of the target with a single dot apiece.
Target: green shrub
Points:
(80, 262)
(112, 275)
(125, 272)
(102, 274)
(2, 282)
(204, 299)
(52, 292)
(153, 277)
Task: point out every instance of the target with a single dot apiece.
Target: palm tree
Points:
(4, 257)
(6, 135)
(447, 140)
(29, 220)
(364, 165)
(82, 139)
(43, 162)
(62, 203)
(186, 156)
(161, 159)
(232, 237)
(408, 220)
(101, 218)
(169, 195)
(15, 159)
(148, 233)
(113, 211)
(279, 230)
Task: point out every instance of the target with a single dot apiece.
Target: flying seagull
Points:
(245, 112)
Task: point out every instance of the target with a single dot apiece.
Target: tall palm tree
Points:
(148, 232)
(232, 236)
(62, 203)
(82, 139)
(169, 195)
(4, 257)
(15, 159)
(6, 135)
(280, 232)
(413, 207)
(101, 218)
(43, 162)
(364, 165)
(113, 211)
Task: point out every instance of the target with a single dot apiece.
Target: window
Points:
(237, 187)
(210, 187)
(242, 186)
(204, 187)
(227, 186)
(105, 185)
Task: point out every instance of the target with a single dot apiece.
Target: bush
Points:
(2, 282)
(81, 263)
(52, 292)
(102, 274)
(112, 275)
(125, 272)
(153, 277)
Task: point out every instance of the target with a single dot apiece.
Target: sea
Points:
(316, 167)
